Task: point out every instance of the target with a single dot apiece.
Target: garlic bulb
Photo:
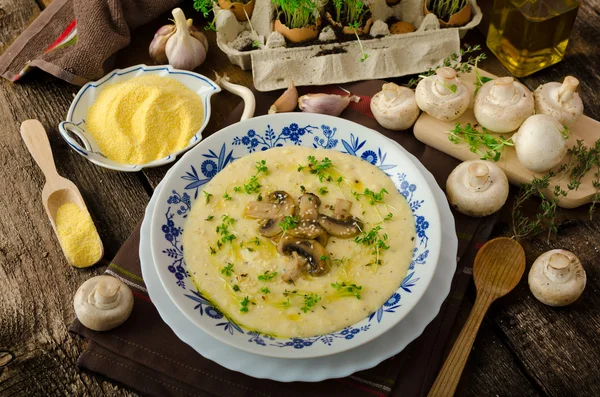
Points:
(330, 104)
(395, 107)
(560, 101)
(287, 102)
(181, 45)
(503, 104)
(443, 96)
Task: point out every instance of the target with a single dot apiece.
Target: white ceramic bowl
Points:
(183, 185)
(73, 129)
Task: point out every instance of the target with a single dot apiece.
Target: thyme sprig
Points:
(493, 147)
(456, 62)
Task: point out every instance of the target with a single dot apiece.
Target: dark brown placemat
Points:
(145, 355)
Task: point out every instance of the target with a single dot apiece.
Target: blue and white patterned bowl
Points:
(183, 186)
(73, 129)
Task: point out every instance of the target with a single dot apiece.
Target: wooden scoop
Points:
(498, 267)
(57, 190)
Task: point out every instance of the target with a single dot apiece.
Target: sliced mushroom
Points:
(323, 239)
(293, 273)
(315, 254)
(342, 209)
(307, 229)
(308, 206)
(343, 228)
(277, 206)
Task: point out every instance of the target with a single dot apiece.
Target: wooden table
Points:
(523, 349)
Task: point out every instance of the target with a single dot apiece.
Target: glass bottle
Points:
(529, 35)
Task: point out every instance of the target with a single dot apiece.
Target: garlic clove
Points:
(102, 303)
(198, 34)
(330, 104)
(183, 50)
(395, 107)
(287, 102)
(159, 43)
(557, 278)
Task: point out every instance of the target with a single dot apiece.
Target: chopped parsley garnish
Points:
(227, 270)
(267, 276)
(227, 197)
(212, 251)
(289, 222)
(223, 230)
(265, 290)
(309, 301)
(373, 239)
(318, 168)
(207, 196)
(261, 166)
(388, 216)
(323, 190)
(253, 186)
(346, 289)
(371, 195)
(244, 305)
(255, 240)
(209, 218)
(236, 288)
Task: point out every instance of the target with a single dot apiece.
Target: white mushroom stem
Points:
(567, 89)
(503, 90)
(478, 174)
(102, 303)
(446, 78)
(477, 188)
(557, 278)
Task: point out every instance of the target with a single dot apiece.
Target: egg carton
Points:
(336, 63)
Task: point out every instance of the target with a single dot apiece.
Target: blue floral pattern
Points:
(211, 163)
(292, 133)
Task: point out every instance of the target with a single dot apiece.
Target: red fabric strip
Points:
(64, 34)
(141, 296)
(361, 387)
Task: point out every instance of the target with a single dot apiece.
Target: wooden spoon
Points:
(498, 267)
(57, 190)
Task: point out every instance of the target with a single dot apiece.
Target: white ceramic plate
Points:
(73, 129)
(184, 183)
(311, 370)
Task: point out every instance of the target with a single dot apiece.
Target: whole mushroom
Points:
(102, 303)
(477, 188)
(540, 143)
(395, 107)
(503, 104)
(557, 278)
(442, 96)
(560, 101)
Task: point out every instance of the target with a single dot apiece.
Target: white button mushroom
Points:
(557, 278)
(503, 104)
(103, 303)
(442, 96)
(560, 101)
(477, 188)
(395, 107)
(540, 143)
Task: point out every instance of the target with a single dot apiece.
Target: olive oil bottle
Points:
(529, 35)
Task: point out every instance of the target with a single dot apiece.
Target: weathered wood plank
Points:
(37, 284)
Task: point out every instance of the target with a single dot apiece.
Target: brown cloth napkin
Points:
(145, 355)
(75, 40)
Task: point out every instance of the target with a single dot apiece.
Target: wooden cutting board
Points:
(434, 133)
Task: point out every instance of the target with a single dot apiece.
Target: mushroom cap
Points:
(435, 96)
(539, 143)
(395, 107)
(557, 278)
(503, 104)
(566, 109)
(477, 188)
(102, 303)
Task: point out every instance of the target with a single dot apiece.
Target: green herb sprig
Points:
(297, 13)
(310, 300)
(253, 186)
(267, 276)
(227, 269)
(347, 289)
(224, 232)
(373, 197)
(373, 239)
(492, 146)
